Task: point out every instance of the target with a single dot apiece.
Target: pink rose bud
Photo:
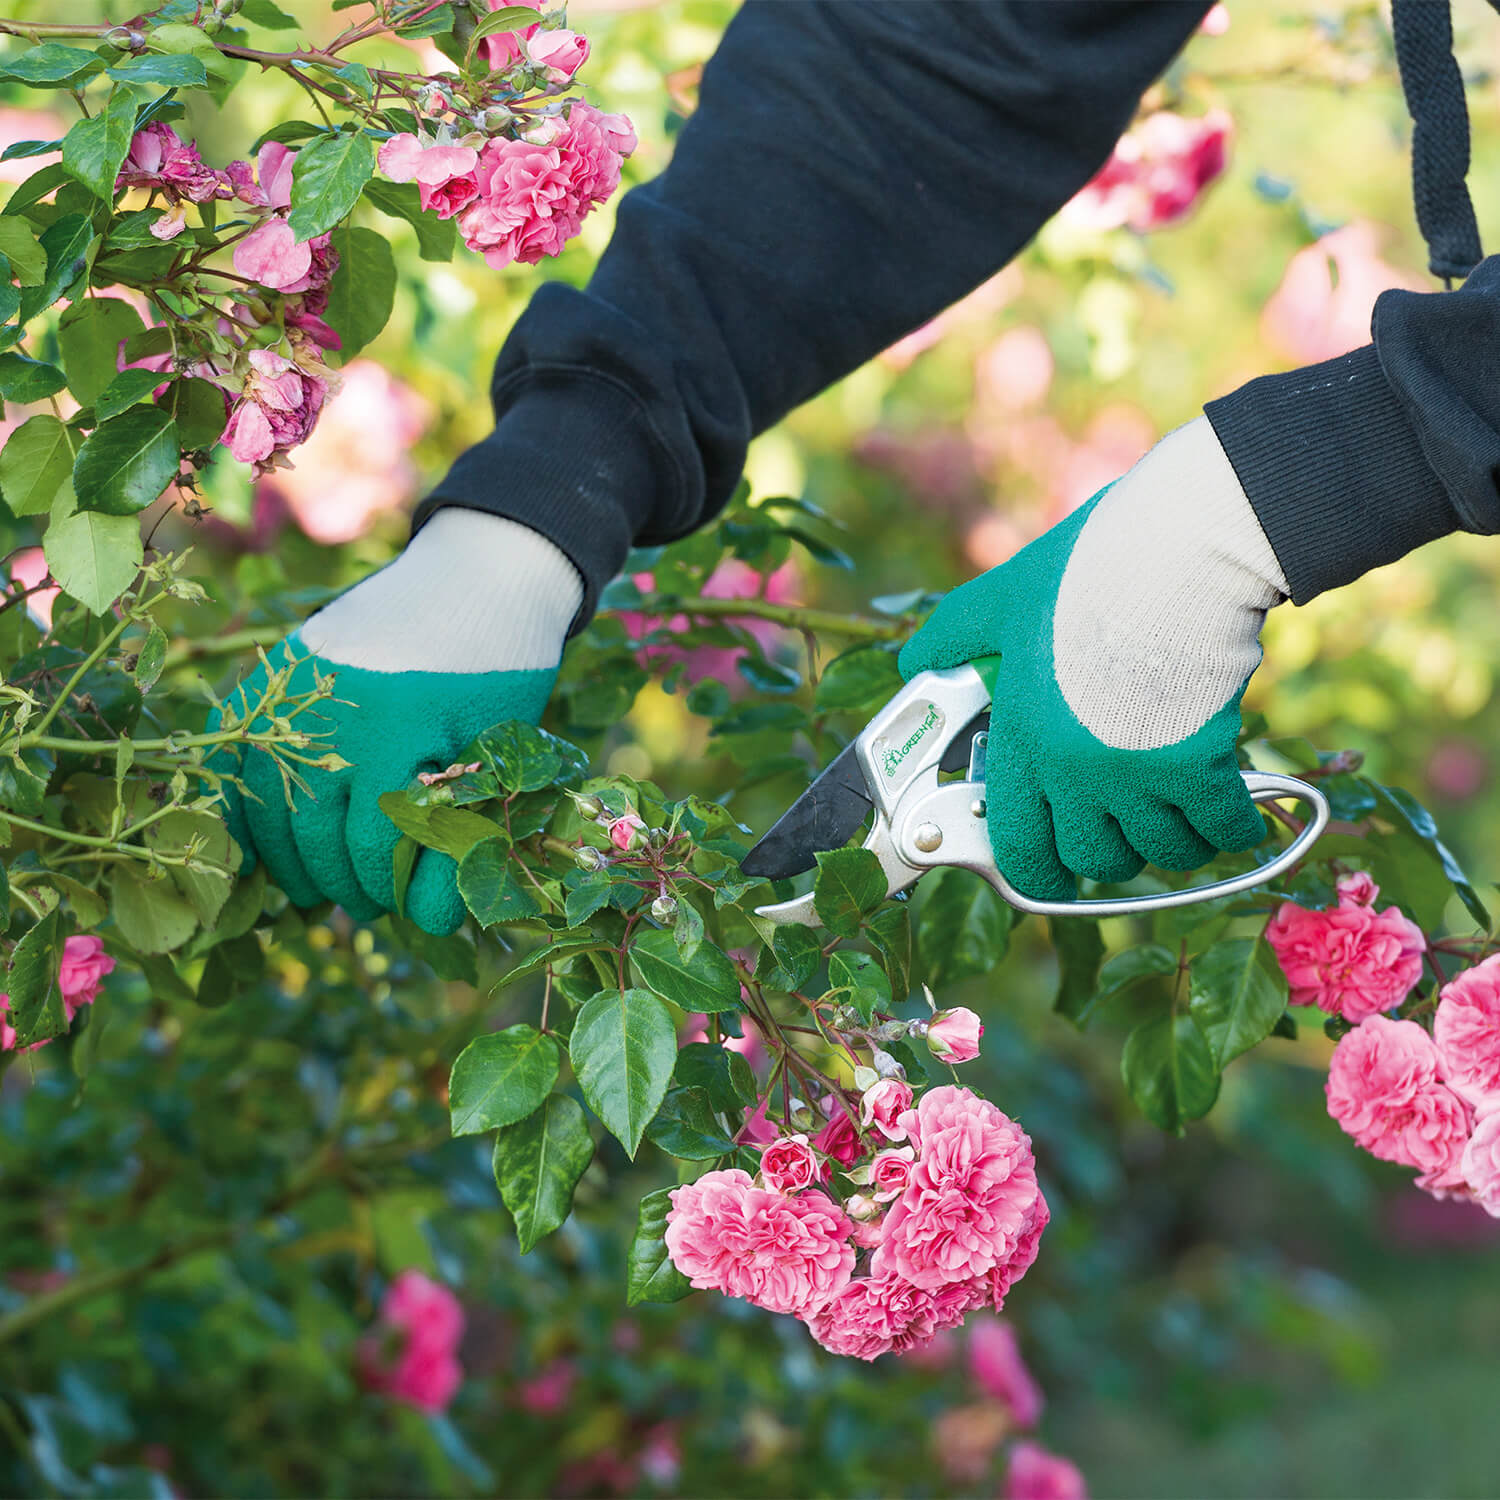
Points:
(890, 1172)
(623, 831)
(862, 1209)
(1357, 890)
(84, 965)
(559, 54)
(788, 1165)
(882, 1106)
(953, 1035)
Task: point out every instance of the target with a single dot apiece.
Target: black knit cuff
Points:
(572, 457)
(1333, 469)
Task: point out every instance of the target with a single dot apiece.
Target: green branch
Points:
(793, 616)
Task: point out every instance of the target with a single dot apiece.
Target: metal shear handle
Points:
(951, 822)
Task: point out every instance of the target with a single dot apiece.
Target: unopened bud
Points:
(495, 119)
(862, 1208)
(228, 7)
(886, 1065)
(664, 908)
(658, 837)
(801, 1114)
(589, 858)
(846, 1018)
(865, 1078)
(588, 806)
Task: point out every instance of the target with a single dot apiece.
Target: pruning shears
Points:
(935, 727)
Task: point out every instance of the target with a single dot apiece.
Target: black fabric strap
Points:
(1434, 90)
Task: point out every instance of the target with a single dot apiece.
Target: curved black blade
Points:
(823, 817)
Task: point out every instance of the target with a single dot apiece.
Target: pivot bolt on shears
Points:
(938, 724)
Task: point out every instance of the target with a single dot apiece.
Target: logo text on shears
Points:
(895, 755)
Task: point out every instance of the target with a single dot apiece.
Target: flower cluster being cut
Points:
(948, 1218)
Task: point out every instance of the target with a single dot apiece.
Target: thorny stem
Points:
(793, 616)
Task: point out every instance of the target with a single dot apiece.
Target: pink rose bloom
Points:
(1351, 961)
(890, 1172)
(415, 1361)
(547, 1393)
(1157, 172)
(559, 54)
(84, 965)
(503, 48)
(788, 1165)
(757, 1130)
(270, 184)
(160, 159)
(623, 830)
(8, 1032)
(1466, 1032)
(953, 1035)
(444, 174)
(875, 1315)
(786, 1254)
(1036, 1474)
(276, 410)
(839, 1138)
(882, 1106)
(971, 1197)
(1481, 1164)
(996, 1364)
(271, 255)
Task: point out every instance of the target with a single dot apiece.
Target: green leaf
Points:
(507, 18)
(889, 930)
(538, 1162)
(172, 71)
(24, 380)
(51, 63)
(858, 681)
(436, 238)
(558, 951)
(792, 958)
(124, 391)
(849, 886)
(327, 178)
(363, 289)
(153, 915)
(264, 13)
(963, 928)
(177, 38)
(67, 241)
(1414, 819)
(1168, 1068)
(5, 896)
(623, 1047)
(489, 888)
(1234, 1000)
(93, 149)
(521, 756)
(89, 335)
(205, 838)
(724, 1076)
(18, 244)
(435, 23)
(865, 980)
(705, 982)
(1124, 970)
(685, 1127)
(687, 928)
(94, 557)
(36, 1008)
(650, 1275)
(450, 829)
(35, 464)
(197, 407)
(1079, 951)
(126, 462)
(500, 1078)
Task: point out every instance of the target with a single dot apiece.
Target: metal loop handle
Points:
(1263, 786)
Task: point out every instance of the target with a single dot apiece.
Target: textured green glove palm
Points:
(1059, 799)
(333, 842)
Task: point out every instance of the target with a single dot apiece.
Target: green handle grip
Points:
(988, 668)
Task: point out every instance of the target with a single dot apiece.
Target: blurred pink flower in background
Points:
(548, 1392)
(412, 1354)
(356, 464)
(1322, 307)
(732, 579)
(1457, 769)
(965, 1439)
(1036, 1474)
(1216, 22)
(1420, 1221)
(18, 125)
(1015, 372)
(936, 464)
(1157, 172)
(996, 1364)
(981, 304)
(661, 1456)
(1115, 439)
(28, 568)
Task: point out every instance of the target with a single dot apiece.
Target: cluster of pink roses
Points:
(1430, 1101)
(1156, 173)
(412, 1356)
(1351, 960)
(84, 965)
(161, 160)
(517, 198)
(952, 1219)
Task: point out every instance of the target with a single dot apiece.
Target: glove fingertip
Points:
(432, 898)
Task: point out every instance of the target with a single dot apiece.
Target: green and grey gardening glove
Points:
(465, 629)
(1126, 636)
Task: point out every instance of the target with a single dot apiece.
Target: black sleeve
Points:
(1357, 461)
(852, 169)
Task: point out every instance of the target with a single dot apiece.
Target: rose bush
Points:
(776, 1107)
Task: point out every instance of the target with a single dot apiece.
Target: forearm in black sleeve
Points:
(852, 169)
(1357, 461)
